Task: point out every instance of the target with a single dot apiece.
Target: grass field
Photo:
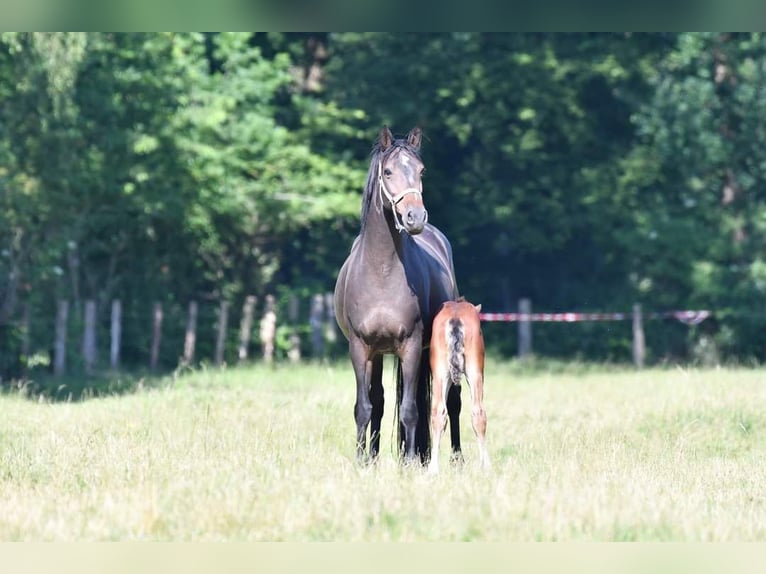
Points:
(268, 454)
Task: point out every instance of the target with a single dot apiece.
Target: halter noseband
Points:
(394, 200)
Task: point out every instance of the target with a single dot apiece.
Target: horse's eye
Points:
(422, 172)
(387, 172)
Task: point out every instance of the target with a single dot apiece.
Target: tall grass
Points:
(268, 454)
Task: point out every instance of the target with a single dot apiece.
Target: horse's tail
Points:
(423, 403)
(456, 349)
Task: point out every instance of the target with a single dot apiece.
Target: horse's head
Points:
(400, 173)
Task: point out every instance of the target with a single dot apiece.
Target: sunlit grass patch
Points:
(267, 453)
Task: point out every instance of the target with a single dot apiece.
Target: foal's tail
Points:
(456, 349)
(423, 402)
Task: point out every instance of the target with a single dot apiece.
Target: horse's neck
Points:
(380, 241)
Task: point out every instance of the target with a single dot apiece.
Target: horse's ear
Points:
(478, 308)
(385, 139)
(413, 138)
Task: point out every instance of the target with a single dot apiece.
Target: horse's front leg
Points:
(410, 355)
(377, 400)
(363, 407)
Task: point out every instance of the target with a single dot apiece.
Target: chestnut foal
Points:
(457, 349)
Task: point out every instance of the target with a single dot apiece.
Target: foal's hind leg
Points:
(376, 398)
(453, 409)
(438, 413)
(475, 378)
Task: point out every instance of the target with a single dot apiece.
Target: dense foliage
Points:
(584, 171)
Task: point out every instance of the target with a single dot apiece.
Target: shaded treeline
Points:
(583, 171)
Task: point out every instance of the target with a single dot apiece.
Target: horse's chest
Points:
(386, 326)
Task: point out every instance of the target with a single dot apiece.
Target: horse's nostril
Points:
(410, 217)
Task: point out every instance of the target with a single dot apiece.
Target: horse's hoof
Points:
(410, 462)
(456, 459)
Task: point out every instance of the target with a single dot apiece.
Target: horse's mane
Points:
(377, 156)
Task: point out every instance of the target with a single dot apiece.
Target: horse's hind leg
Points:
(475, 378)
(363, 407)
(376, 398)
(453, 410)
(423, 401)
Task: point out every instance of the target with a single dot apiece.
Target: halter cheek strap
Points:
(394, 200)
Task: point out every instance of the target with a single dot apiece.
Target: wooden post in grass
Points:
(25, 337)
(59, 345)
(525, 329)
(268, 329)
(220, 342)
(89, 337)
(156, 336)
(246, 327)
(639, 343)
(316, 321)
(294, 350)
(190, 339)
(116, 335)
(331, 325)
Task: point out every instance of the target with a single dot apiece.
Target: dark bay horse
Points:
(457, 349)
(393, 282)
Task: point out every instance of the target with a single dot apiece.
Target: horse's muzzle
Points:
(415, 219)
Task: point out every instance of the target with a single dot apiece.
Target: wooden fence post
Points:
(294, 350)
(316, 321)
(268, 329)
(331, 325)
(89, 337)
(25, 340)
(525, 329)
(639, 343)
(59, 348)
(246, 326)
(190, 338)
(116, 334)
(220, 343)
(156, 336)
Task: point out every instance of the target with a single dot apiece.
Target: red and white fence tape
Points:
(687, 317)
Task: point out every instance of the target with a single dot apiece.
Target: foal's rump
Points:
(457, 343)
